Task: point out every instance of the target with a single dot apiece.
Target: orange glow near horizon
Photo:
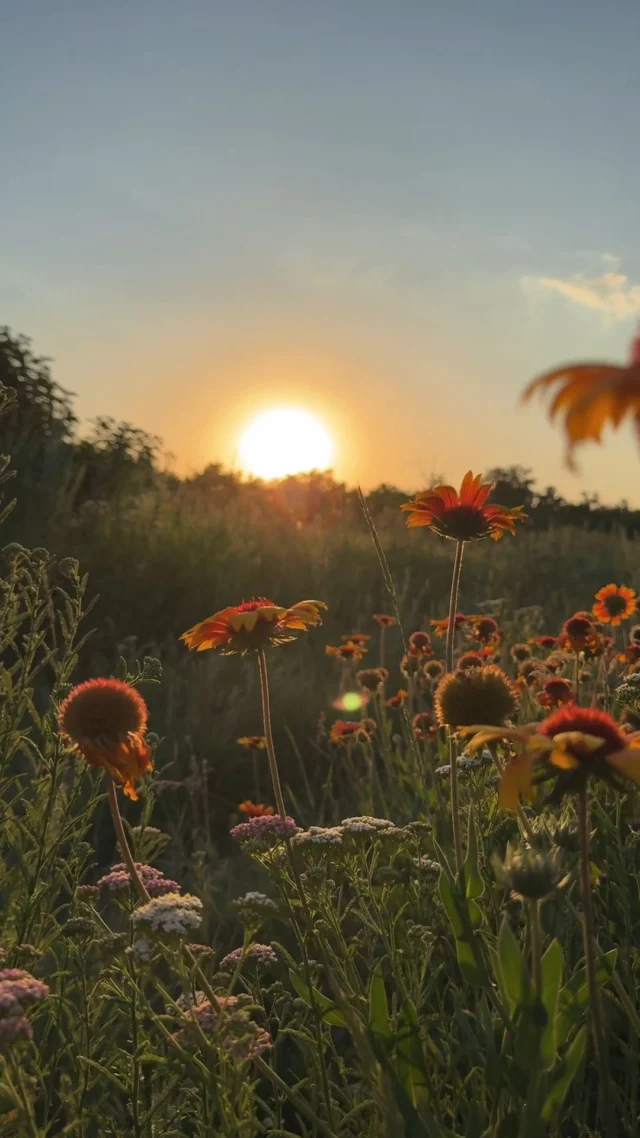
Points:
(283, 441)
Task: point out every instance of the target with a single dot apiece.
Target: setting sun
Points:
(284, 441)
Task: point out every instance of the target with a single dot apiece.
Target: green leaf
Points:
(468, 965)
(572, 1061)
(410, 1056)
(474, 885)
(379, 1021)
(511, 967)
(330, 1013)
(552, 969)
(85, 1061)
(448, 900)
(575, 995)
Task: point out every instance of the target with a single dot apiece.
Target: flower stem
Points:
(597, 1025)
(453, 758)
(268, 733)
(127, 856)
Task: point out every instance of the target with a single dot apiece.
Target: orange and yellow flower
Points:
(615, 603)
(346, 652)
(253, 625)
(356, 638)
(578, 633)
(569, 747)
(420, 645)
(255, 809)
(555, 693)
(591, 395)
(347, 731)
(398, 699)
(463, 515)
(442, 626)
(384, 620)
(252, 742)
(105, 721)
(484, 629)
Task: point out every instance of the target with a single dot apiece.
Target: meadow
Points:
(365, 920)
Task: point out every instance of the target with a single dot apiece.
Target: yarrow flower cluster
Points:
(259, 954)
(365, 825)
(319, 835)
(264, 829)
(237, 1035)
(18, 991)
(154, 881)
(171, 913)
(255, 904)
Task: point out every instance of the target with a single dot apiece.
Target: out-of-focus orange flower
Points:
(554, 663)
(630, 655)
(255, 809)
(463, 515)
(615, 603)
(530, 672)
(470, 660)
(484, 629)
(423, 726)
(372, 679)
(356, 638)
(570, 746)
(105, 721)
(346, 731)
(520, 652)
(384, 620)
(252, 742)
(547, 643)
(591, 395)
(253, 625)
(346, 652)
(420, 645)
(398, 699)
(578, 633)
(555, 693)
(442, 626)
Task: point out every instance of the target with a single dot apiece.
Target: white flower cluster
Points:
(170, 913)
(365, 824)
(141, 950)
(319, 835)
(255, 902)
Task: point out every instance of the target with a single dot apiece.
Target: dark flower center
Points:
(615, 604)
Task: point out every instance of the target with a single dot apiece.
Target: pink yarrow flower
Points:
(264, 828)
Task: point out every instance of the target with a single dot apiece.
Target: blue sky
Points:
(391, 214)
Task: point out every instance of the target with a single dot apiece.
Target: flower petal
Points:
(516, 780)
(627, 762)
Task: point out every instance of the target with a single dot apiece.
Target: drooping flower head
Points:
(547, 643)
(254, 809)
(105, 721)
(398, 699)
(463, 515)
(572, 745)
(252, 742)
(463, 696)
(433, 669)
(615, 603)
(484, 629)
(384, 620)
(520, 652)
(555, 693)
(423, 726)
(372, 679)
(420, 645)
(346, 652)
(591, 395)
(253, 625)
(442, 626)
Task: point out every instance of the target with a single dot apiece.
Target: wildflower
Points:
(260, 954)
(520, 652)
(578, 633)
(365, 824)
(253, 625)
(241, 1038)
(153, 880)
(398, 699)
(554, 663)
(252, 742)
(530, 672)
(384, 620)
(555, 693)
(628, 693)
(462, 765)
(267, 828)
(356, 638)
(442, 626)
(346, 652)
(319, 835)
(569, 747)
(171, 913)
(463, 696)
(105, 720)
(634, 635)
(420, 644)
(470, 660)
(12, 1028)
(433, 669)
(19, 990)
(141, 949)
(202, 950)
(615, 603)
(423, 726)
(530, 874)
(544, 642)
(591, 395)
(80, 927)
(630, 655)
(463, 516)
(484, 629)
(345, 731)
(254, 809)
(255, 903)
(86, 892)
(372, 679)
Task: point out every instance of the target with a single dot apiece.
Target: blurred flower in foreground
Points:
(253, 625)
(254, 809)
(463, 515)
(569, 747)
(615, 603)
(105, 720)
(462, 696)
(592, 395)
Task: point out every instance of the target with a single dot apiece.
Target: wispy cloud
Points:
(612, 292)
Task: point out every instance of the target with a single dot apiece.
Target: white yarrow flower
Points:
(170, 913)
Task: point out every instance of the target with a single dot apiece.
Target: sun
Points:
(282, 441)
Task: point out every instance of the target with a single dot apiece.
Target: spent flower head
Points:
(105, 721)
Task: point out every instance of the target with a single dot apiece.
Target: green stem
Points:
(127, 856)
(536, 947)
(605, 1107)
(453, 757)
(268, 733)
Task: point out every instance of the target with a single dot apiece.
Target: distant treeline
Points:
(57, 472)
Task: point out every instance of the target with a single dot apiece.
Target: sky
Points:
(390, 213)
